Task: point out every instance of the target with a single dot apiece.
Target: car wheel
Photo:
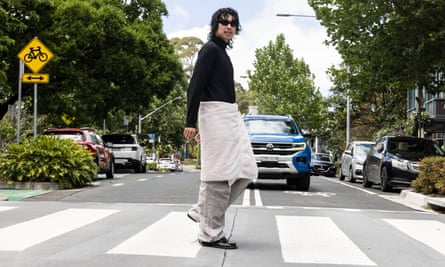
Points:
(366, 183)
(110, 172)
(301, 183)
(138, 167)
(351, 176)
(341, 177)
(144, 168)
(384, 186)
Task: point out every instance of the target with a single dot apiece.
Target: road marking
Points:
(349, 185)
(429, 232)
(118, 184)
(142, 180)
(174, 236)
(258, 201)
(3, 208)
(21, 236)
(257, 196)
(246, 198)
(310, 194)
(306, 239)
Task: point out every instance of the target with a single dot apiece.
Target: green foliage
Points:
(109, 56)
(47, 159)
(284, 85)
(152, 166)
(431, 179)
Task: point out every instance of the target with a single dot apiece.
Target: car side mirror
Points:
(306, 133)
(379, 147)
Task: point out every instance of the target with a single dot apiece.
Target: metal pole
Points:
(35, 110)
(19, 104)
(140, 119)
(139, 124)
(348, 122)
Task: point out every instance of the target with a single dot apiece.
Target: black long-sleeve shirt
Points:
(212, 79)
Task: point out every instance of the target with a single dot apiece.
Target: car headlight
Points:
(400, 164)
(404, 164)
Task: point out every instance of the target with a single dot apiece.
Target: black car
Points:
(322, 164)
(393, 161)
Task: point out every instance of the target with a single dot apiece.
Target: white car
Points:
(166, 163)
(353, 158)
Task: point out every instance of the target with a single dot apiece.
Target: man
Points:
(227, 161)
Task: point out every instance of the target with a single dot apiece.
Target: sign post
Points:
(35, 55)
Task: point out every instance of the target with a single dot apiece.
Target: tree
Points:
(187, 49)
(284, 85)
(388, 44)
(111, 56)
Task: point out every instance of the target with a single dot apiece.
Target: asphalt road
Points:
(140, 220)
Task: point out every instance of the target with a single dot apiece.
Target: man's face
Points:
(226, 28)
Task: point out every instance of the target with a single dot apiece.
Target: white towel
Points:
(226, 152)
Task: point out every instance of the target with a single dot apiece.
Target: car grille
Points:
(272, 164)
(277, 148)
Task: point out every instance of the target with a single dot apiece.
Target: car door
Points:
(373, 161)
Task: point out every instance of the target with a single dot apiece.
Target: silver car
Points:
(353, 158)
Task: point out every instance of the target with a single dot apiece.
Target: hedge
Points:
(47, 159)
(431, 179)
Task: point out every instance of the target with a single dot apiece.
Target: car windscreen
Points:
(270, 126)
(363, 149)
(118, 139)
(321, 157)
(414, 148)
(70, 135)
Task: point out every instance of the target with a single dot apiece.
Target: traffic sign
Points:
(35, 55)
(35, 78)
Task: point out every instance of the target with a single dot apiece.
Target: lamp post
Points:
(294, 15)
(140, 119)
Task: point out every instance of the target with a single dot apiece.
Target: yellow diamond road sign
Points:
(35, 55)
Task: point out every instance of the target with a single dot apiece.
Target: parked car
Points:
(128, 153)
(178, 164)
(322, 164)
(351, 165)
(166, 163)
(88, 138)
(393, 161)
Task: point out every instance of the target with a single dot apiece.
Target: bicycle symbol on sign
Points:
(35, 53)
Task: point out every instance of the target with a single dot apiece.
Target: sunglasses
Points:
(232, 23)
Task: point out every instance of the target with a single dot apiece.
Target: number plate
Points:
(269, 159)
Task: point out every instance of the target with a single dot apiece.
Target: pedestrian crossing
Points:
(301, 239)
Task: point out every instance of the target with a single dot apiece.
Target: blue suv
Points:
(280, 149)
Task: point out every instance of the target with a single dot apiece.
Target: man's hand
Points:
(189, 133)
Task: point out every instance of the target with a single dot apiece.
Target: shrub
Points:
(431, 179)
(47, 159)
(152, 166)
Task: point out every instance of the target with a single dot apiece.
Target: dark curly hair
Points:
(223, 13)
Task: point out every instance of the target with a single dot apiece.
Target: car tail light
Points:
(90, 147)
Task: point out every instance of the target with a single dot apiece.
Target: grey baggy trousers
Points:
(213, 201)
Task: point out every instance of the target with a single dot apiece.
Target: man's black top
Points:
(212, 79)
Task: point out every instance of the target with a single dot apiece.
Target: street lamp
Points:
(294, 15)
(140, 119)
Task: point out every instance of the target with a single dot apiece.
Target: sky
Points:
(260, 25)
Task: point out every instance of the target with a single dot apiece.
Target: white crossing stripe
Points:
(21, 236)
(246, 198)
(429, 232)
(308, 239)
(174, 235)
(258, 201)
(3, 208)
